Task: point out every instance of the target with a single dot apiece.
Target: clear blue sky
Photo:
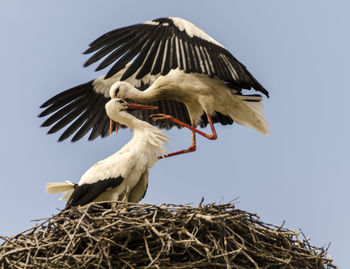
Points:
(299, 50)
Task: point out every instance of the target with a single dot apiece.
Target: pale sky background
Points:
(299, 50)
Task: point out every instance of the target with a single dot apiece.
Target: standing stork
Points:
(123, 175)
(167, 60)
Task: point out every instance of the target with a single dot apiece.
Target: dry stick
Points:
(128, 264)
(148, 253)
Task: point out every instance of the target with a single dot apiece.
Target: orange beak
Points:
(111, 127)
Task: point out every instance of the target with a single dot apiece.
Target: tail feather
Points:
(67, 195)
(248, 112)
(57, 187)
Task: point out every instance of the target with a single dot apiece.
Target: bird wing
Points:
(163, 44)
(86, 193)
(82, 109)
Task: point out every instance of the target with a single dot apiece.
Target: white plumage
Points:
(200, 94)
(190, 29)
(123, 175)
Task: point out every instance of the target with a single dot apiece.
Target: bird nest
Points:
(165, 236)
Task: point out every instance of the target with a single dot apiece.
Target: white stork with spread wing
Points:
(164, 60)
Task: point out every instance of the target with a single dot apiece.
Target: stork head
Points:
(117, 110)
(120, 89)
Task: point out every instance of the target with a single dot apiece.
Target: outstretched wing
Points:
(157, 46)
(81, 109)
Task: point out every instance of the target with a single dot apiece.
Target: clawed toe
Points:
(159, 115)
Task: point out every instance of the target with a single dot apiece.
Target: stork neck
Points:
(128, 120)
(147, 95)
(147, 137)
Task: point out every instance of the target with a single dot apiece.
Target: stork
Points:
(190, 67)
(123, 175)
(164, 60)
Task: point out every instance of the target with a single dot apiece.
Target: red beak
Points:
(132, 106)
(111, 127)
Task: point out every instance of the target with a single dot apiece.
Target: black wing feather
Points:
(116, 37)
(90, 119)
(63, 111)
(127, 57)
(99, 129)
(146, 68)
(77, 123)
(86, 193)
(107, 49)
(68, 118)
(70, 93)
(194, 54)
(119, 52)
(141, 58)
(158, 58)
(138, 61)
(172, 53)
(61, 102)
(105, 131)
(167, 58)
(114, 34)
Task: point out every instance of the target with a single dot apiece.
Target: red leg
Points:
(213, 136)
(193, 147)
